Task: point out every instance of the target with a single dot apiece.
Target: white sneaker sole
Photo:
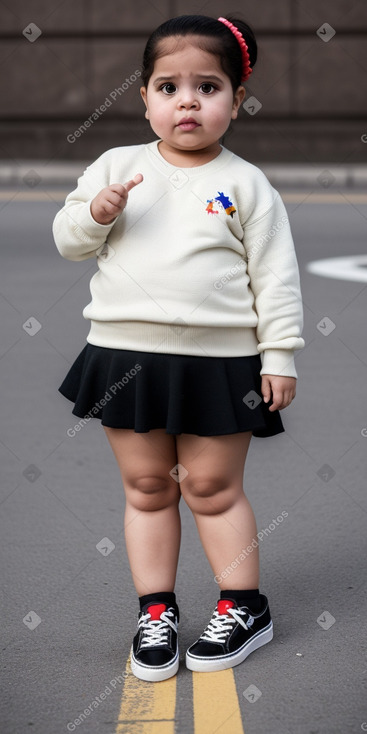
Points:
(151, 673)
(210, 665)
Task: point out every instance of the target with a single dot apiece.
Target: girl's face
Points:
(190, 102)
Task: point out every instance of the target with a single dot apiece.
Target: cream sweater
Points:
(200, 262)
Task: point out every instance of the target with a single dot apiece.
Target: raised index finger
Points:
(133, 182)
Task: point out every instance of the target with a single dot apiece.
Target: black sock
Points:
(168, 597)
(244, 598)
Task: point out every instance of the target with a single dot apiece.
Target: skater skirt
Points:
(206, 396)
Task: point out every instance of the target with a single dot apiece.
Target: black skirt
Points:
(206, 396)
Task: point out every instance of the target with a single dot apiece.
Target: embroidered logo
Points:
(223, 201)
(210, 208)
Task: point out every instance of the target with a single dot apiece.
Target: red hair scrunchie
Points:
(246, 66)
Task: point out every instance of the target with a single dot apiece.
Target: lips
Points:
(188, 123)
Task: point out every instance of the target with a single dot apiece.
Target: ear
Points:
(239, 96)
(143, 93)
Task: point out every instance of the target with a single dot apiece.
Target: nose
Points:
(188, 99)
(188, 104)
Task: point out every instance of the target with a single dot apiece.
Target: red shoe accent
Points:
(224, 604)
(155, 610)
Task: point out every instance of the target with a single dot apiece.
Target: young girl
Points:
(195, 315)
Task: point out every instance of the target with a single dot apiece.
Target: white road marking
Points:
(340, 268)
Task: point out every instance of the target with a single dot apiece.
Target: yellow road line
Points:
(335, 198)
(33, 195)
(147, 708)
(216, 705)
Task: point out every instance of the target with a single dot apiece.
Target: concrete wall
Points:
(312, 92)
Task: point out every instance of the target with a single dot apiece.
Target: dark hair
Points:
(213, 36)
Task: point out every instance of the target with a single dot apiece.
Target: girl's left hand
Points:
(282, 389)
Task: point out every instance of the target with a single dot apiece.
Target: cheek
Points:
(220, 115)
(159, 110)
(223, 110)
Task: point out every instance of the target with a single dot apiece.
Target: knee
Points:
(149, 493)
(207, 495)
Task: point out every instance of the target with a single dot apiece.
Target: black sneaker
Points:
(154, 652)
(231, 635)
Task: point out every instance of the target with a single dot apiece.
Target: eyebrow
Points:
(199, 76)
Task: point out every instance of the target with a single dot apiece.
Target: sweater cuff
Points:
(96, 226)
(87, 229)
(278, 362)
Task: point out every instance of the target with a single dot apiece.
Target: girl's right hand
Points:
(111, 201)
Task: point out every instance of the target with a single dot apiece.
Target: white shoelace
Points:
(221, 625)
(155, 631)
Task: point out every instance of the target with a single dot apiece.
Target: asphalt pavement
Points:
(69, 608)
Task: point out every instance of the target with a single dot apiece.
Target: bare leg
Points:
(213, 489)
(152, 518)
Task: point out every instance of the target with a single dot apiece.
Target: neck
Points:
(189, 158)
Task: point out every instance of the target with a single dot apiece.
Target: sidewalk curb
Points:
(32, 173)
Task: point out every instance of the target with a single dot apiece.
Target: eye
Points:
(168, 88)
(207, 87)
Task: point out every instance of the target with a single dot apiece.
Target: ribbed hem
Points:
(201, 341)
(278, 362)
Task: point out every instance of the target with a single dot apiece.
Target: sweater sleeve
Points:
(77, 235)
(275, 282)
